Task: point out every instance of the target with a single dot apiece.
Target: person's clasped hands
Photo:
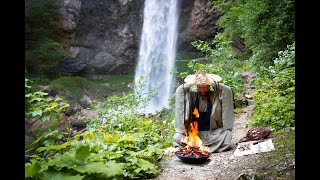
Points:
(202, 79)
(199, 78)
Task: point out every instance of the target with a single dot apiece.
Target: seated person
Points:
(214, 102)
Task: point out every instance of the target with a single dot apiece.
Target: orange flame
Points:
(192, 139)
(196, 112)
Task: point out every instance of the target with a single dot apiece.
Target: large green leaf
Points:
(116, 155)
(115, 167)
(65, 160)
(36, 99)
(110, 169)
(61, 176)
(146, 166)
(95, 167)
(37, 112)
(37, 140)
(58, 147)
(46, 118)
(32, 168)
(82, 152)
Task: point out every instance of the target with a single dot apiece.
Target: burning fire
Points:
(196, 112)
(192, 140)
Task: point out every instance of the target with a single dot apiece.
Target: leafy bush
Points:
(42, 36)
(122, 144)
(266, 26)
(77, 87)
(274, 95)
(38, 107)
(221, 61)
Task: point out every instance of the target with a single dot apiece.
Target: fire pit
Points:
(192, 156)
(193, 151)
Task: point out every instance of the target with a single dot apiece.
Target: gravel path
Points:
(225, 165)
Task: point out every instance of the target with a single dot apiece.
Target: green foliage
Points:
(182, 69)
(221, 61)
(47, 53)
(122, 144)
(78, 87)
(97, 87)
(265, 25)
(42, 33)
(274, 95)
(268, 24)
(32, 168)
(82, 152)
(38, 107)
(56, 175)
(114, 83)
(56, 147)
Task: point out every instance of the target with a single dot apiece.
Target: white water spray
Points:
(157, 52)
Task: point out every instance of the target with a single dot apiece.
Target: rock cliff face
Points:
(197, 20)
(102, 37)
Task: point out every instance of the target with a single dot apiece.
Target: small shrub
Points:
(274, 95)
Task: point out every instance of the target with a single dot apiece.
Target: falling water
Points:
(158, 51)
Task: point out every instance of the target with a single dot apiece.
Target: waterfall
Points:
(157, 53)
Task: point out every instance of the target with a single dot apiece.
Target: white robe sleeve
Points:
(227, 108)
(179, 109)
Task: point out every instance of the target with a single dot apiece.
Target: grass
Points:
(114, 83)
(79, 86)
(94, 86)
(279, 164)
(284, 143)
(97, 87)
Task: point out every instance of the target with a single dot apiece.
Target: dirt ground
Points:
(220, 166)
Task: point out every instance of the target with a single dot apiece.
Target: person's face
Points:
(202, 89)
